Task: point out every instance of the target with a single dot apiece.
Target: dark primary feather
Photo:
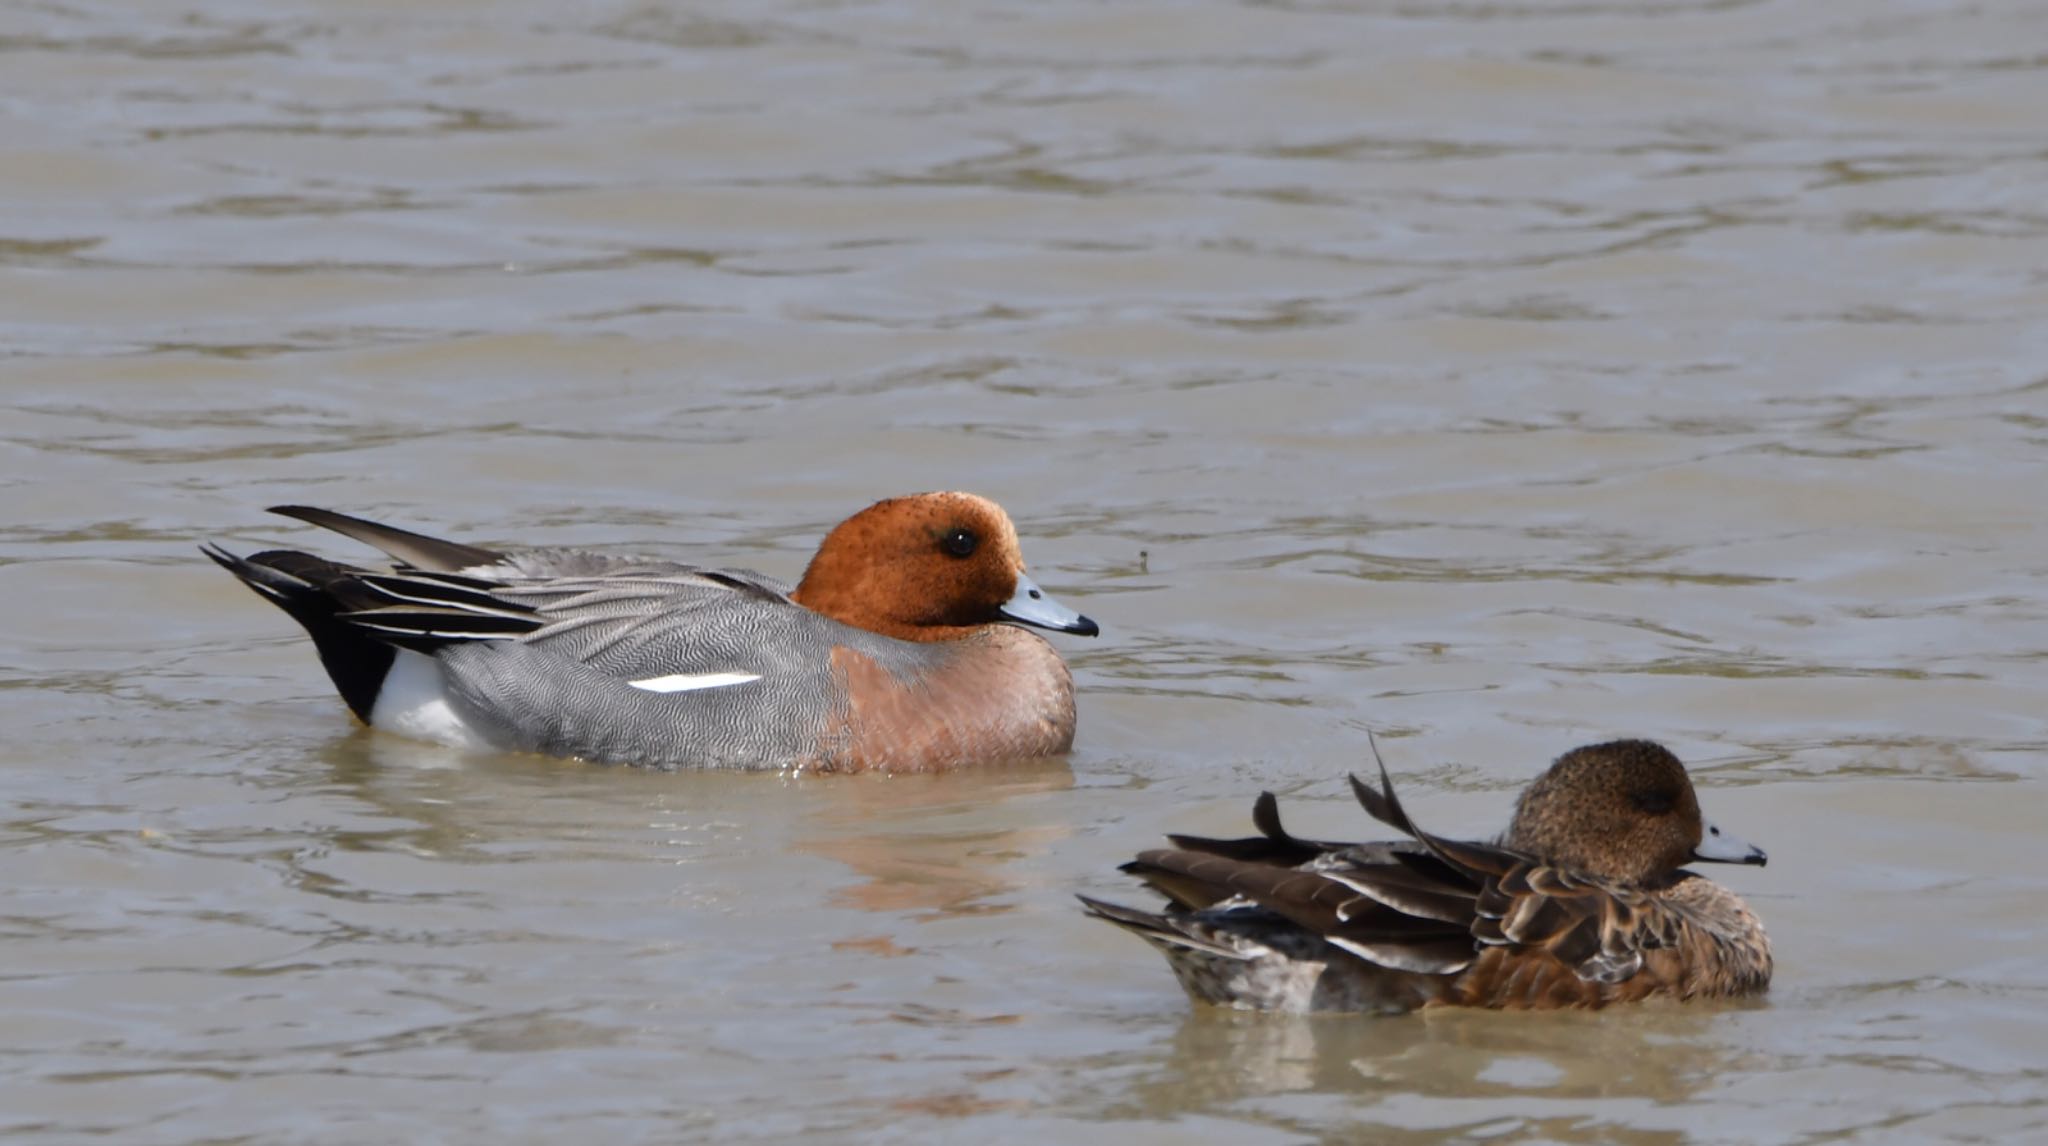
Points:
(1470, 858)
(1272, 845)
(426, 630)
(414, 549)
(442, 590)
(417, 552)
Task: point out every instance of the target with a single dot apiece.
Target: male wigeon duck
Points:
(1584, 902)
(898, 651)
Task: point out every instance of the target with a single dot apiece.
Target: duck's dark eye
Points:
(1654, 801)
(959, 542)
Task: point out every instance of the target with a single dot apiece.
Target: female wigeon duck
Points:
(1584, 902)
(898, 651)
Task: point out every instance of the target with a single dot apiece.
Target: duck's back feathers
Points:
(649, 647)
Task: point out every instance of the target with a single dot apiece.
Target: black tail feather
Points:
(315, 592)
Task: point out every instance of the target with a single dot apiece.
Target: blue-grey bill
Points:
(1031, 606)
(1717, 846)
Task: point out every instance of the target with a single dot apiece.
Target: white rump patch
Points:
(413, 701)
(691, 682)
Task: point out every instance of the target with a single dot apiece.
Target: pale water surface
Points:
(1495, 376)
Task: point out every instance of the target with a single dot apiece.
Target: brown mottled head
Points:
(1624, 811)
(929, 567)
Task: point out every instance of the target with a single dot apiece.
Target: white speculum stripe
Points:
(691, 682)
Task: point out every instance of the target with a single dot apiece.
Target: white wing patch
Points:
(691, 682)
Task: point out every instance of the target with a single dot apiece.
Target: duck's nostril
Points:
(1037, 596)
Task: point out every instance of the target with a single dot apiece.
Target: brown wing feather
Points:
(1196, 879)
(1596, 932)
(1404, 925)
(1536, 915)
(1395, 887)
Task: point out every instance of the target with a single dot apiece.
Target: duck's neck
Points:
(855, 608)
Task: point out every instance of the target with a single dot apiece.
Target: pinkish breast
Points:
(1000, 694)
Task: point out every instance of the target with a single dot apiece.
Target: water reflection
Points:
(1443, 1070)
(936, 845)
